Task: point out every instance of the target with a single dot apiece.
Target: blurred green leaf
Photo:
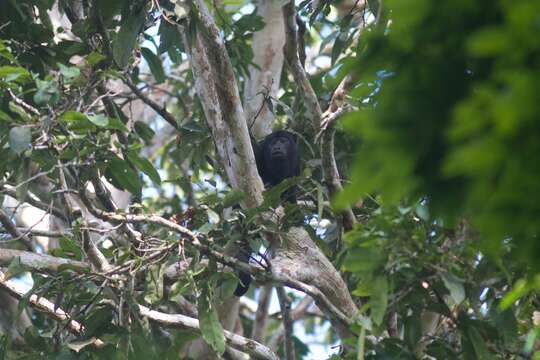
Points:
(20, 139)
(99, 120)
(145, 166)
(211, 329)
(14, 73)
(122, 176)
(379, 299)
(455, 286)
(124, 43)
(154, 62)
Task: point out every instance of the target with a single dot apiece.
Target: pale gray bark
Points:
(264, 81)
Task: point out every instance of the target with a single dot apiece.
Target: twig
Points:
(161, 110)
(101, 97)
(51, 170)
(227, 260)
(21, 102)
(95, 256)
(319, 297)
(105, 198)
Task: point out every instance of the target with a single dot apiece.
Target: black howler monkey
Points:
(277, 159)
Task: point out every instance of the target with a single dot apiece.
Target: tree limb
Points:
(261, 315)
(48, 308)
(285, 304)
(329, 166)
(40, 261)
(253, 348)
(10, 227)
(33, 200)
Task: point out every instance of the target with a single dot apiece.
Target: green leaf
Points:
(154, 62)
(15, 268)
(99, 321)
(122, 176)
(364, 259)
(455, 286)
(249, 23)
(170, 41)
(77, 121)
(507, 325)
(95, 58)
(520, 289)
(19, 110)
(4, 117)
(116, 124)
(69, 72)
(145, 166)
(338, 47)
(379, 299)
(70, 247)
(478, 343)
(422, 211)
(20, 139)
(144, 131)
(80, 344)
(99, 120)
(130, 27)
(47, 92)
(412, 329)
(211, 329)
(74, 116)
(12, 73)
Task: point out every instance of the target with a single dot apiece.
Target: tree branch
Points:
(39, 261)
(285, 304)
(261, 315)
(33, 200)
(10, 227)
(48, 308)
(313, 109)
(329, 166)
(296, 314)
(253, 348)
(161, 110)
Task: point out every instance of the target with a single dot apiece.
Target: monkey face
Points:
(279, 147)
